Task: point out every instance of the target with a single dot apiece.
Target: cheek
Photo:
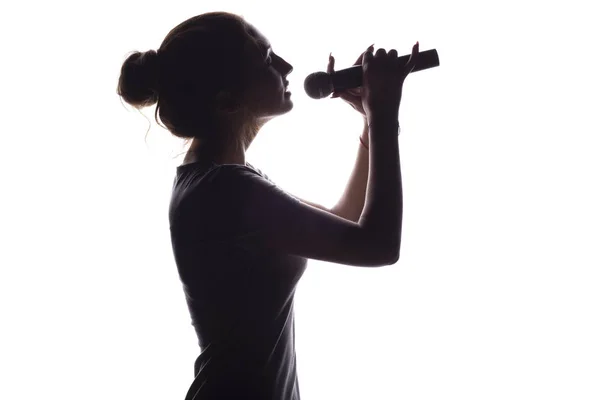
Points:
(274, 79)
(266, 91)
(269, 88)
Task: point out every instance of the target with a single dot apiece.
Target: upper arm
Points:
(284, 223)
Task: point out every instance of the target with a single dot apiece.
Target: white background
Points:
(496, 292)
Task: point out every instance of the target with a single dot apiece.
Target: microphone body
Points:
(321, 84)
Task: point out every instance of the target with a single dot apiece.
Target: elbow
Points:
(384, 250)
(394, 251)
(381, 257)
(394, 256)
(387, 256)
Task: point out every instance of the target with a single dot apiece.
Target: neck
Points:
(233, 152)
(230, 155)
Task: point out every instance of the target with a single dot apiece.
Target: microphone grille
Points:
(318, 85)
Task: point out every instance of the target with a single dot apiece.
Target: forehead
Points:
(260, 40)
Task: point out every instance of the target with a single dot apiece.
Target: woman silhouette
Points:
(240, 242)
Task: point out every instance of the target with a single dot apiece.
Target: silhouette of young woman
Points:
(239, 241)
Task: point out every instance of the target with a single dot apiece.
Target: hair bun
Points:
(138, 83)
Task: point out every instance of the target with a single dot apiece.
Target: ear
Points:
(226, 103)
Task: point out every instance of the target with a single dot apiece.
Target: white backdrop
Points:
(496, 292)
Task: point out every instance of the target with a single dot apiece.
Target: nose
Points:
(289, 68)
(286, 68)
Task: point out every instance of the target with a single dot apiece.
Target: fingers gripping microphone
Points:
(321, 84)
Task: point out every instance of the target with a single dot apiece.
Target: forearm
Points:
(382, 213)
(352, 202)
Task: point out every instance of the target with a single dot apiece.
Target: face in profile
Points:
(267, 95)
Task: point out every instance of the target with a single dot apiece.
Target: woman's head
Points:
(214, 78)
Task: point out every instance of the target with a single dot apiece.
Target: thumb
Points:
(412, 61)
(367, 56)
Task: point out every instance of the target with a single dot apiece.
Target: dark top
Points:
(240, 294)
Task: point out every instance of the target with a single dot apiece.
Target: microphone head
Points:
(318, 85)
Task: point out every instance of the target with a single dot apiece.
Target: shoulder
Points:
(246, 187)
(235, 173)
(261, 173)
(209, 191)
(226, 184)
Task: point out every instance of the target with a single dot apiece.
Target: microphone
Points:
(321, 84)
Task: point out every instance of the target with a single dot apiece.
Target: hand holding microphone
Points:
(321, 84)
(351, 96)
(383, 78)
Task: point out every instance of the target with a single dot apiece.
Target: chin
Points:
(287, 107)
(284, 107)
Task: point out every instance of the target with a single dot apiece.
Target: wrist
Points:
(382, 117)
(385, 124)
(364, 143)
(364, 137)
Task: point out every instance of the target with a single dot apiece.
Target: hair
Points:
(199, 58)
